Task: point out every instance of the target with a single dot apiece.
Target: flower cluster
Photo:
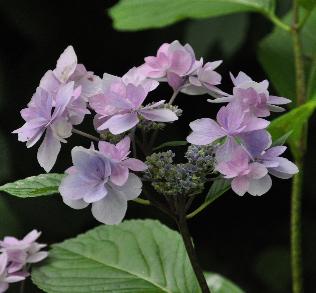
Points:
(245, 155)
(187, 178)
(16, 255)
(236, 145)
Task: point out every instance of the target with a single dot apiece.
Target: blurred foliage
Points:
(204, 35)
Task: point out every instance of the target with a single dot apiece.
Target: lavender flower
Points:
(16, 254)
(120, 107)
(120, 163)
(232, 121)
(51, 118)
(89, 181)
(5, 277)
(177, 65)
(246, 176)
(67, 69)
(253, 96)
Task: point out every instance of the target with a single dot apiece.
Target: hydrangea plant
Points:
(123, 164)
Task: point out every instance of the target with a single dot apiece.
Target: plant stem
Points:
(278, 22)
(296, 196)
(184, 231)
(87, 135)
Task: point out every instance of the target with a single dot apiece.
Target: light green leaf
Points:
(204, 34)
(138, 256)
(293, 121)
(140, 14)
(276, 55)
(44, 184)
(218, 188)
(282, 139)
(220, 284)
(174, 143)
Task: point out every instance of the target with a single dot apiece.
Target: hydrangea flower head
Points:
(89, 181)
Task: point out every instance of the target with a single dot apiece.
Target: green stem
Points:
(296, 250)
(184, 231)
(142, 201)
(87, 135)
(278, 22)
(296, 196)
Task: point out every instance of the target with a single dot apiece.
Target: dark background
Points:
(244, 238)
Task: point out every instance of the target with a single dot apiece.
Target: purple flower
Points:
(172, 63)
(5, 277)
(246, 176)
(89, 181)
(232, 121)
(204, 80)
(120, 106)
(177, 65)
(68, 69)
(253, 96)
(22, 252)
(52, 118)
(120, 163)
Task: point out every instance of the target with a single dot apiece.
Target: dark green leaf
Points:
(202, 35)
(293, 121)
(308, 4)
(174, 143)
(44, 184)
(140, 14)
(9, 224)
(218, 188)
(276, 55)
(220, 284)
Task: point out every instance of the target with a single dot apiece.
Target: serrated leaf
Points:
(44, 184)
(293, 121)
(276, 55)
(220, 284)
(140, 14)
(218, 188)
(136, 256)
(204, 34)
(174, 143)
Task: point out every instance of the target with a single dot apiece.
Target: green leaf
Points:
(136, 256)
(282, 139)
(220, 284)
(276, 55)
(218, 188)
(308, 4)
(293, 121)
(204, 34)
(44, 184)
(174, 143)
(140, 14)
(9, 223)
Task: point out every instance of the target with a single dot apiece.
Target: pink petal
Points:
(66, 64)
(119, 174)
(48, 151)
(120, 123)
(260, 186)
(159, 115)
(135, 165)
(240, 185)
